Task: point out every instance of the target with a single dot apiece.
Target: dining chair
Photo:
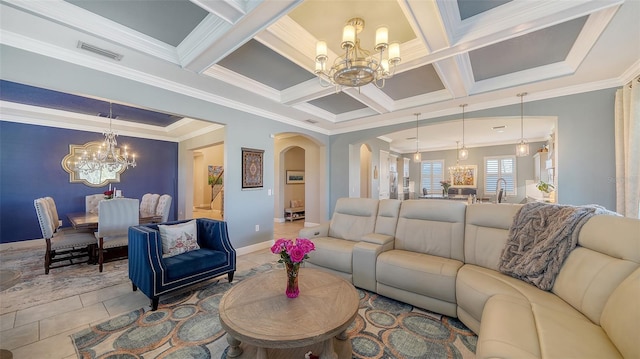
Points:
(163, 208)
(91, 202)
(148, 204)
(115, 216)
(61, 245)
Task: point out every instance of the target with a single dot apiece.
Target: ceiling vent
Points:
(499, 128)
(311, 121)
(102, 52)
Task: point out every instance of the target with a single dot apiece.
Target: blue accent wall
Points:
(30, 167)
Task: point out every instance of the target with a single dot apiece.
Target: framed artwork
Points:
(252, 168)
(465, 177)
(295, 177)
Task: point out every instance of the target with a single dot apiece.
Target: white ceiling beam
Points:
(452, 76)
(229, 10)
(217, 45)
(371, 97)
(305, 91)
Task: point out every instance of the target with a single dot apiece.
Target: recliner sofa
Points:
(443, 256)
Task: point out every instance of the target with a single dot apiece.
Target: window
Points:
(431, 173)
(500, 167)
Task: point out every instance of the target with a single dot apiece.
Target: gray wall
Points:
(585, 145)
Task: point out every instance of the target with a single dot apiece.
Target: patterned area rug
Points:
(33, 287)
(187, 326)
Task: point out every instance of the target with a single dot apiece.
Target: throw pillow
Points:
(178, 238)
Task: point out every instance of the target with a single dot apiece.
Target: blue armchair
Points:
(155, 275)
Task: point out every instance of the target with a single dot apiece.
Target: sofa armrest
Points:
(380, 239)
(213, 234)
(321, 230)
(145, 258)
(365, 256)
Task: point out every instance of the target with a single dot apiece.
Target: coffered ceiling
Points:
(258, 56)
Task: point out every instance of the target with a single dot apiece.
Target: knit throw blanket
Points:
(540, 239)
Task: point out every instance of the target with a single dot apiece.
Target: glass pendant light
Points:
(463, 153)
(417, 157)
(522, 148)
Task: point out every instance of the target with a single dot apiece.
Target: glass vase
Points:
(292, 280)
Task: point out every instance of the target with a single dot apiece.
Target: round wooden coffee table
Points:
(261, 322)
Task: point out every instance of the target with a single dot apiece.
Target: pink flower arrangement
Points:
(292, 252)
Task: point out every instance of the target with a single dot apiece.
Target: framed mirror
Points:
(90, 176)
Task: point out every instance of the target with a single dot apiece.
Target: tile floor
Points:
(43, 331)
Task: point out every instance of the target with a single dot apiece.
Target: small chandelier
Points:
(357, 67)
(463, 154)
(108, 157)
(522, 148)
(417, 157)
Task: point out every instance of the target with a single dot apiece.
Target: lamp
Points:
(108, 157)
(522, 148)
(463, 154)
(356, 67)
(417, 157)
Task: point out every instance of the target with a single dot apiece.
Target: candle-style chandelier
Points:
(108, 156)
(357, 67)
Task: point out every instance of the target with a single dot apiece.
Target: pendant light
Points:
(417, 157)
(463, 154)
(522, 148)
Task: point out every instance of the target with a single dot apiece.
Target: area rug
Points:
(187, 326)
(32, 287)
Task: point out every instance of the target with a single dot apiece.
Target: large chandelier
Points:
(357, 67)
(107, 157)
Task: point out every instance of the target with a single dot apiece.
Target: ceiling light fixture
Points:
(463, 154)
(522, 148)
(458, 172)
(108, 156)
(417, 157)
(356, 67)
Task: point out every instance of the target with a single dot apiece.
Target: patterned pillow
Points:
(178, 238)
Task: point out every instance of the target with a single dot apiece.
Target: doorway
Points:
(208, 182)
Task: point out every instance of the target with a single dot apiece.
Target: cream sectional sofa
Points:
(443, 256)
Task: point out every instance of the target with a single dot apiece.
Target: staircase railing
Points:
(217, 189)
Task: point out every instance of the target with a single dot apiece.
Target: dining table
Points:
(89, 220)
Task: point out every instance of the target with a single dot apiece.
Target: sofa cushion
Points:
(333, 253)
(515, 327)
(434, 227)
(178, 238)
(475, 285)
(353, 218)
(486, 232)
(621, 316)
(193, 262)
(419, 273)
(388, 210)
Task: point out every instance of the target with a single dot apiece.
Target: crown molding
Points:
(243, 82)
(231, 10)
(202, 38)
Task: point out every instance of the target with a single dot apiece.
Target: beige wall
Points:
(203, 158)
(293, 161)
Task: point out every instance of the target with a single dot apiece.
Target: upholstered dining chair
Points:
(61, 245)
(163, 208)
(115, 216)
(91, 202)
(148, 204)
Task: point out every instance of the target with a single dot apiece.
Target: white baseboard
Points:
(253, 247)
(279, 220)
(310, 224)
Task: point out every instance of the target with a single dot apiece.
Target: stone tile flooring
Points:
(42, 331)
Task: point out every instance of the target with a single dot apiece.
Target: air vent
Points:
(311, 121)
(102, 52)
(499, 128)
